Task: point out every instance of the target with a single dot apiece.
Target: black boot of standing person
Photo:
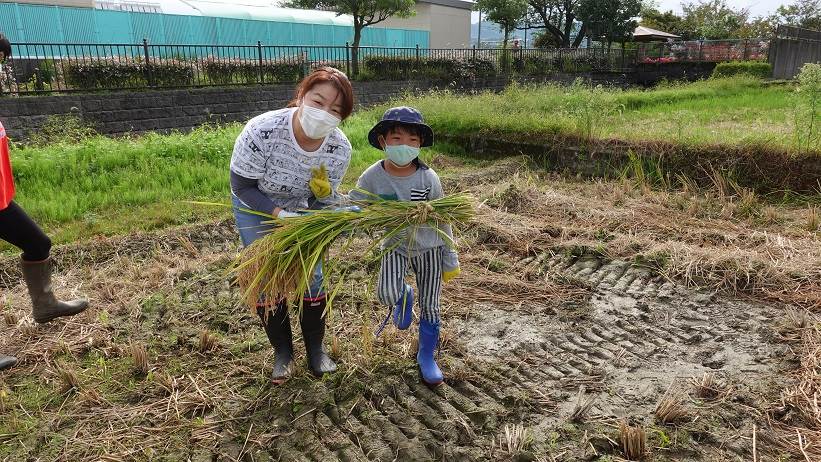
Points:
(278, 328)
(44, 304)
(312, 322)
(7, 361)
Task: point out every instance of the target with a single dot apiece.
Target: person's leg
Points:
(275, 317)
(17, 228)
(249, 225)
(392, 290)
(428, 269)
(277, 325)
(312, 321)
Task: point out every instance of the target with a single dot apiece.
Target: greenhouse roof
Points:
(269, 13)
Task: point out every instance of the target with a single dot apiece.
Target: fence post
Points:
(347, 58)
(474, 52)
(417, 57)
(700, 44)
(561, 60)
(746, 41)
(148, 76)
(259, 56)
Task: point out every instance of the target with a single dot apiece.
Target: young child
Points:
(402, 176)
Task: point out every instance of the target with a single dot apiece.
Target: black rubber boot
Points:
(45, 306)
(313, 331)
(278, 328)
(7, 361)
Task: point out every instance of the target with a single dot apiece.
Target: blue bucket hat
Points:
(402, 115)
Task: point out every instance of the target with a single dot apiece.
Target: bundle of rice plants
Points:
(633, 441)
(281, 263)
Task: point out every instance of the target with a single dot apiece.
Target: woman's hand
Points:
(319, 184)
(283, 214)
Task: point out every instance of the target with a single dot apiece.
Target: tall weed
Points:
(808, 101)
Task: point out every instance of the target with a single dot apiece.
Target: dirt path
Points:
(547, 370)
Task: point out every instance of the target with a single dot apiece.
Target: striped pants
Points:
(427, 266)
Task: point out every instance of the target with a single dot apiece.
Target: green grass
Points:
(740, 110)
(104, 186)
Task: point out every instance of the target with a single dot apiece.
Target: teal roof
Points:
(270, 13)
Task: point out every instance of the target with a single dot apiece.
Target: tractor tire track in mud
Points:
(638, 335)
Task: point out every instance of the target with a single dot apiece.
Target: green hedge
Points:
(100, 74)
(547, 63)
(754, 68)
(399, 68)
(223, 72)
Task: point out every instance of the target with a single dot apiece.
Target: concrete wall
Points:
(421, 21)
(163, 111)
(449, 27)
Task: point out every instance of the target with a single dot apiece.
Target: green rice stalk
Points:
(281, 263)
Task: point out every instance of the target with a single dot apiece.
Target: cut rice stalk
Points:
(281, 263)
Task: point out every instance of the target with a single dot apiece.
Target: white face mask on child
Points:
(316, 123)
(401, 154)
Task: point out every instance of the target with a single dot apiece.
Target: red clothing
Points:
(6, 180)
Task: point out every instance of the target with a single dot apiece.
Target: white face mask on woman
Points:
(317, 123)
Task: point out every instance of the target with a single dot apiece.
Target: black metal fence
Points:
(704, 51)
(37, 68)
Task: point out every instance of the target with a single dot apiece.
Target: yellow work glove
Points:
(319, 183)
(448, 276)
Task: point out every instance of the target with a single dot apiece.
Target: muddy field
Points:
(592, 318)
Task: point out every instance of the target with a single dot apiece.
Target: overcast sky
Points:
(756, 7)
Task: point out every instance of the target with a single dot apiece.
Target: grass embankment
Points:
(737, 111)
(103, 186)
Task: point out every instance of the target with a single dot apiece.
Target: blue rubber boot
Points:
(428, 341)
(403, 311)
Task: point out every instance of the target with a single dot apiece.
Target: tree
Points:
(506, 13)
(802, 13)
(611, 20)
(760, 27)
(558, 19)
(365, 13)
(665, 22)
(545, 40)
(714, 19)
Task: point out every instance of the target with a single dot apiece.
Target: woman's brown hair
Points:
(335, 77)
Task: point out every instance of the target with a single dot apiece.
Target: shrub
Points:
(435, 68)
(126, 73)
(225, 72)
(104, 73)
(540, 64)
(753, 68)
(171, 73)
(545, 40)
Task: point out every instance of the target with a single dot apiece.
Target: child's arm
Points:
(365, 188)
(449, 255)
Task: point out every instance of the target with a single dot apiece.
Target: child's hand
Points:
(448, 276)
(319, 183)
